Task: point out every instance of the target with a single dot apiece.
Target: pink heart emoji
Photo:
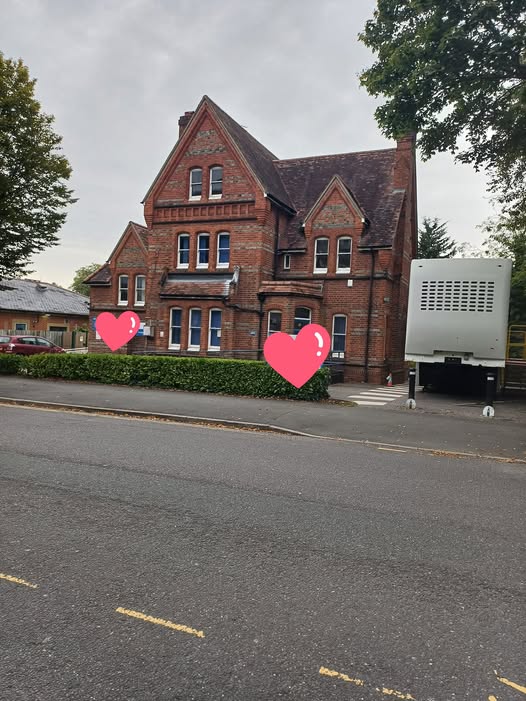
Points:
(298, 359)
(116, 332)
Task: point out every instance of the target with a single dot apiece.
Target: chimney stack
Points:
(183, 121)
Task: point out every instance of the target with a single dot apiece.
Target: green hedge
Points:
(241, 377)
(10, 364)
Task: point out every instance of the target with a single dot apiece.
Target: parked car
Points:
(27, 345)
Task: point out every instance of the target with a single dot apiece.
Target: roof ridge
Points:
(334, 155)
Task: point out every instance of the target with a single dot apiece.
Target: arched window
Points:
(196, 183)
(223, 250)
(274, 322)
(203, 250)
(339, 332)
(302, 317)
(343, 258)
(176, 317)
(321, 255)
(214, 330)
(216, 181)
(194, 330)
(183, 250)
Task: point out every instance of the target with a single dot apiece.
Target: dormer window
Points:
(216, 182)
(196, 183)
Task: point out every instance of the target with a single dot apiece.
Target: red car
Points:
(27, 345)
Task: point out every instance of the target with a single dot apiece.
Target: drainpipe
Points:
(261, 297)
(369, 315)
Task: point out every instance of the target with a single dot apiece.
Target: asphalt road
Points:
(270, 566)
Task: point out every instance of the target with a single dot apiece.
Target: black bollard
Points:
(412, 383)
(490, 388)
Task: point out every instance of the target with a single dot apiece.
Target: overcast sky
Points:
(117, 74)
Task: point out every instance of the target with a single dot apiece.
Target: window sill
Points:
(320, 272)
(122, 304)
(183, 266)
(202, 266)
(194, 349)
(223, 265)
(139, 304)
(343, 272)
(174, 347)
(215, 197)
(214, 350)
(195, 198)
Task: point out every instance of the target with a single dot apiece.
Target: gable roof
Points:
(41, 298)
(368, 175)
(102, 276)
(337, 183)
(257, 157)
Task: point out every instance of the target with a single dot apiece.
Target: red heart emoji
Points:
(116, 332)
(298, 359)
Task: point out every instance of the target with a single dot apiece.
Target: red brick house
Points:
(239, 244)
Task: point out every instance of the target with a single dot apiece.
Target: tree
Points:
(468, 250)
(433, 241)
(506, 239)
(80, 275)
(33, 172)
(455, 72)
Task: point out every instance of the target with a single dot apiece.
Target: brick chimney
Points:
(183, 121)
(405, 160)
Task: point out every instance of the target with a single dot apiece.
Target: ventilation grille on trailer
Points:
(457, 296)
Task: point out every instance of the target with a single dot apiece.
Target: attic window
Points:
(196, 183)
(321, 255)
(216, 182)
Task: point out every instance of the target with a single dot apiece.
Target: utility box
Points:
(457, 316)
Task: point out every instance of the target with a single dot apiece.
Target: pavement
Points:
(422, 429)
(167, 562)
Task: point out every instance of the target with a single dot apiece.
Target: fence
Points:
(65, 339)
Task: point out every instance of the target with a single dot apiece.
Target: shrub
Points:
(241, 377)
(10, 364)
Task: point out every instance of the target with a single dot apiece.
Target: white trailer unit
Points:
(457, 318)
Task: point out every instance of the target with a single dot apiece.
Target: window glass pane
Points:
(215, 328)
(344, 245)
(195, 327)
(196, 180)
(216, 181)
(20, 327)
(302, 317)
(344, 254)
(43, 342)
(321, 257)
(123, 288)
(274, 322)
(223, 248)
(184, 249)
(175, 337)
(140, 284)
(339, 324)
(204, 246)
(338, 334)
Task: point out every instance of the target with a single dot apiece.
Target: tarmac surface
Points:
(501, 436)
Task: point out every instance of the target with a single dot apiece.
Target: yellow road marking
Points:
(394, 450)
(396, 694)
(160, 622)
(513, 685)
(17, 580)
(359, 682)
(492, 698)
(339, 675)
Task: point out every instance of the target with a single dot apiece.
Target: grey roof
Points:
(41, 297)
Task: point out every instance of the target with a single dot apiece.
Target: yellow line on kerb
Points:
(359, 682)
(17, 580)
(513, 685)
(161, 622)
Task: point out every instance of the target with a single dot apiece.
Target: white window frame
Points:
(274, 311)
(137, 303)
(175, 346)
(190, 314)
(190, 195)
(294, 332)
(286, 261)
(316, 242)
(197, 263)
(218, 264)
(124, 302)
(338, 354)
(216, 196)
(210, 346)
(338, 268)
(179, 237)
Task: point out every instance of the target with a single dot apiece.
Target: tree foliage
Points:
(80, 275)
(507, 239)
(433, 241)
(455, 72)
(33, 172)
